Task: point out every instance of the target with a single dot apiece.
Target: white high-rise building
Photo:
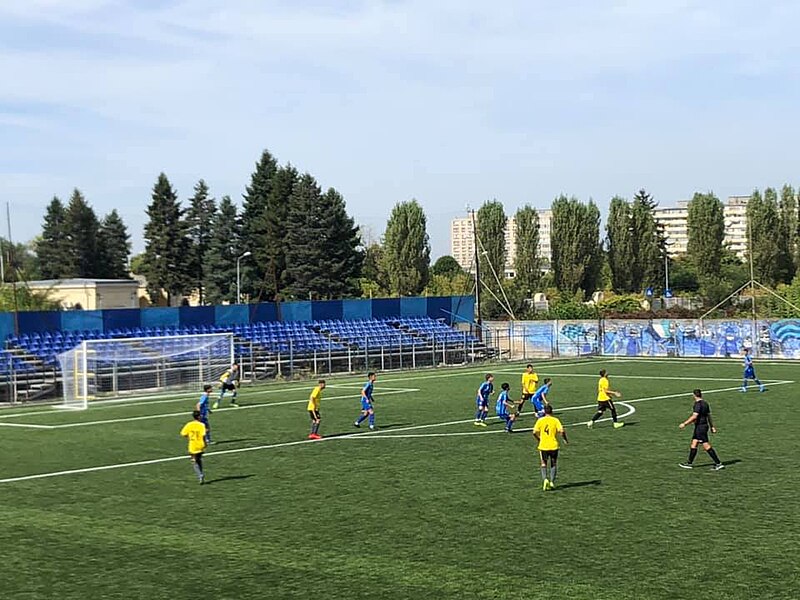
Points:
(674, 222)
(462, 241)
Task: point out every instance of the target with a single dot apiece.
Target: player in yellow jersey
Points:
(195, 432)
(546, 433)
(229, 382)
(313, 410)
(530, 381)
(604, 402)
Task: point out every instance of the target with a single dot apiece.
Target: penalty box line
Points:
(383, 433)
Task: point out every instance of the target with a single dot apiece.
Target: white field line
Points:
(659, 377)
(787, 362)
(183, 413)
(183, 396)
(307, 441)
(26, 426)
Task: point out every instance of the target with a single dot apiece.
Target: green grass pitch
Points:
(428, 507)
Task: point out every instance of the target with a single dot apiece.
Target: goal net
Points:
(113, 367)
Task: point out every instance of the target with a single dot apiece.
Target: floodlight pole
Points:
(239, 278)
(479, 331)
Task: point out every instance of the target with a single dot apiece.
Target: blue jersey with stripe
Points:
(748, 361)
(204, 406)
(367, 390)
(542, 391)
(500, 406)
(485, 391)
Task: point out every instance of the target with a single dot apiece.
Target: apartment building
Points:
(462, 245)
(674, 222)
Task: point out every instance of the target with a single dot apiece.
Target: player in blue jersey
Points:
(203, 406)
(482, 400)
(505, 408)
(539, 399)
(367, 410)
(750, 372)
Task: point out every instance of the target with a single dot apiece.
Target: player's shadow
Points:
(221, 442)
(229, 478)
(358, 430)
(578, 484)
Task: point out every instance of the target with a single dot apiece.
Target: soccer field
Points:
(103, 503)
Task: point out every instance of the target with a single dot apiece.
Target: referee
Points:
(701, 417)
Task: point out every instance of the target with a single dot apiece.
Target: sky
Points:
(452, 102)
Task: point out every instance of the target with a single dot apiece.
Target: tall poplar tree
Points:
(407, 249)
(492, 222)
(789, 227)
(575, 242)
(648, 242)
(767, 247)
(199, 218)
(706, 233)
(527, 262)
(619, 244)
(166, 261)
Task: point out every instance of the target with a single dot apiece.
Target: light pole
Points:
(667, 244)
(238, 276)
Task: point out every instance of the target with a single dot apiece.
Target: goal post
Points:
(121, 366)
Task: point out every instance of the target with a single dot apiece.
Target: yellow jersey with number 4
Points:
(548, 428)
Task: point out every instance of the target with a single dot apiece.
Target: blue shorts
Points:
(537, 403)
(503, 415)
(750, 373)
(365, 404)
(482, 404)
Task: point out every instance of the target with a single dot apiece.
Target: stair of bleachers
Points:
(369, 333)
(431, 330)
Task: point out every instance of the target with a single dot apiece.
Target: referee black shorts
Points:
(701, 434)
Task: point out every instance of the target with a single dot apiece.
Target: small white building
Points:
(90, 294)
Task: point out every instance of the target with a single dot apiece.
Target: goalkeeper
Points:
(229, 382)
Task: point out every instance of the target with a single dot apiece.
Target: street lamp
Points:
(667, 244)
(238, 276)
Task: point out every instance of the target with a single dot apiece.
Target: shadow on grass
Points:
(222, 442)
(578, 484)
(229, 478)
(357, 430)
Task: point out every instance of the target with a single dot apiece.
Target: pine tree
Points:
(224, 248)
(272, 254)
(706, 233)
(322, 257)
(255, 237)
(527, 262)
(113, 247)
(51, 250)
(407, 249)
(82, 229)
(199, 218)
(166, 261)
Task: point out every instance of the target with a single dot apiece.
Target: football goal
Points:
(115, 367)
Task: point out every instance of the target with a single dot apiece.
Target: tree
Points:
(446, 266)
(255, 237)
(789, 228)
(575, 241)
(82, 229)
(373, 276)
(527, 262)
(649, 244)
(407, 249)
(273, 253)
(199, 220)
(706, 232)
(52, 249)
(113, 247)
(322, 257)
(167, 244)
(224, 248)
(768, 249)
(619, 244)
(492, 222)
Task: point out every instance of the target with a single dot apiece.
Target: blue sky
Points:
(450, 102)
